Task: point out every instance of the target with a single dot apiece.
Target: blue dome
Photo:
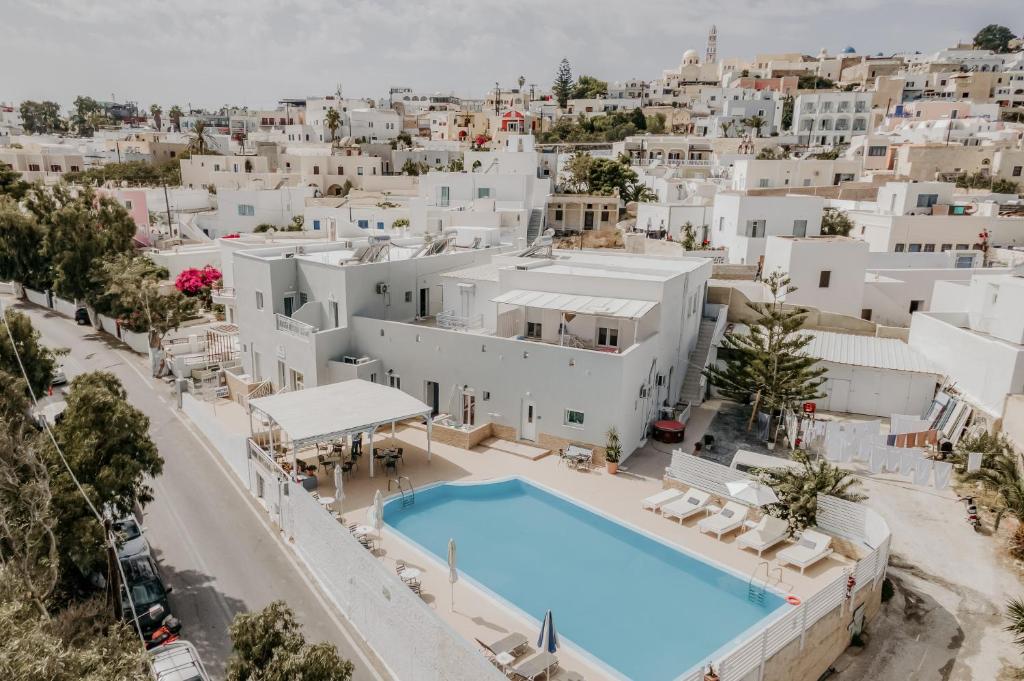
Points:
(849, 50)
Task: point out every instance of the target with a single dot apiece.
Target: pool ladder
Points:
(405, 488)
(756, 588)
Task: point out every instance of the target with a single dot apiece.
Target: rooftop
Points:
(866, 351)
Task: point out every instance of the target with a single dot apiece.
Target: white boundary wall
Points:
(835, 516)
(407, 636)
(37, 297)
(65, 307)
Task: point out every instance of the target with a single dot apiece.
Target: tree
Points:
(577, 170)
(83, 232)
(656, 124)
(1015, 620)
(754, 123)
(688, 236)
(813, 82)
(1000, 475)
(989, 445)
(767, 363)
(175, 115)
(562, 88)
(994, 37)
(404, 138)
(726, 125)
(411, 167)
(787, 112)
(200, 141)
(22, 258)
(610, 176)
(84, 118)
(106, 443)
(36, 358)
(638, 119)
(269, 646)
(798, 489)
(456, 165)
(636, 191)
(332, 119)
(1005, 187)
(772, 153)
(835, 223)
(135, 173)
(40, 117)
(588, 87)
(11, 184)
(156, 112)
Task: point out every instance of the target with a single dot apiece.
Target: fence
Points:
(37, 297)
(406, 634)
(835, 516)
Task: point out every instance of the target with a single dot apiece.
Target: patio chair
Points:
(401, 454)
(731, 517)
(808, 550)
(541, 664)
(391, 464)
(400, 568)
(656, 501)
(768, 532)
(367, 542)
(682, 508)
(513, 644)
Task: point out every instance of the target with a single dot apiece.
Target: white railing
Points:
(226, 293)
(449, 320)
(295, 327)
(835, 516)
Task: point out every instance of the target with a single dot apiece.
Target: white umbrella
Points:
(752, 492)
(339, 486)
(378, 515)
(453, 572)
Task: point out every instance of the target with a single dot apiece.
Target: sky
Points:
(207, 53)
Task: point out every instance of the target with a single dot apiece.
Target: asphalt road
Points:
(213, 544)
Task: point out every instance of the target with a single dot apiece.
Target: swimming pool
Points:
(640, 607)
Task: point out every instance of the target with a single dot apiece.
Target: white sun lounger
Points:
(808, 550)
(543, 663)
(766, 534)
(730, 518)
(692, 502)
(656, 501)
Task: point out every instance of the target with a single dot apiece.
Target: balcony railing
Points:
(450, 320)
(295, 327)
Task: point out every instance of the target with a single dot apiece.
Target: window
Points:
(334, 313)
(824, 278)
(259, 300)
(721, 224)
(929, 248)
(246, 209)
(468, 408)
(533, 329)
(899, 248)
(483, 192)
(945, 247)
(914, 248)
(394, 380)
(763, 182)
(558, 215)
(33, 167)
(607, 337)
(363, 224)
(316, 170)
(128, 204)
(604, 216)
(316, 225)
(916, 305)
(297, 380)
(359, 170)
(799, 227)
(962, 247)
(865, 314)
(927, 200)
(964, 261)
(755, 228)
(1016, 171)
(573, 418)
(303, 298)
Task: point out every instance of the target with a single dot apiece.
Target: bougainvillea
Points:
(197, 282)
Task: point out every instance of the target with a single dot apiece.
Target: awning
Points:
(330, 411)
(622, 308)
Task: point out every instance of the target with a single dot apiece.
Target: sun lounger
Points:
(692, 502)
(808, 550)
(656, 501)
(541, 664)
(510, 644)
(730, 518)
(766, 534)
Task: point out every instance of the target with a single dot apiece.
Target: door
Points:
(468, 409)
(839, 395)
(443, 198)
(528, 427)
(588, 220)
(289, 305)
(433, 395)
(280, 375)
(424, 307)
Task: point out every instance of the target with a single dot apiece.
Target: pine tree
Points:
(563, 86)
(767, 363)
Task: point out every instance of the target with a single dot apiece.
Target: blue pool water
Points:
(641, 607)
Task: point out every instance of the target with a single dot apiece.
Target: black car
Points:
(148, 594)
(81, 316)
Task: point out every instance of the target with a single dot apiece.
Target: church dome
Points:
(691, 57)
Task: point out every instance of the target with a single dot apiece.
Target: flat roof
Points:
(866, 351)
(622, 308)
(488, 272)
(329, 411)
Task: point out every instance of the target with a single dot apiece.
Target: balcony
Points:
(450, 320)
(223, 296)
(294, 326)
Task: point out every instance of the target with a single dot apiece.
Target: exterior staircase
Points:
(535, 226)
(693, 385)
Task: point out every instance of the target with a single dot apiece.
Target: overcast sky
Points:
(252, 52)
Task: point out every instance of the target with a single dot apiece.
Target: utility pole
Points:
(167, 204)
(497, 97)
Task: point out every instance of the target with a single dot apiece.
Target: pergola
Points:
(337, 410)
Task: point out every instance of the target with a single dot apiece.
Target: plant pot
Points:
(710, 676)
(613, 467)
(771, 445)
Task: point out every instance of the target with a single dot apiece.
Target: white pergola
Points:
(338, 410)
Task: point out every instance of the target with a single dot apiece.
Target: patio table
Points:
(362, 530)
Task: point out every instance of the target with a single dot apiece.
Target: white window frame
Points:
(259, 300)
(568, 419)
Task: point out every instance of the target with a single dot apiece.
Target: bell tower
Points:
(711, 55)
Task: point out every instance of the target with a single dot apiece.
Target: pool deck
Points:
(478, 615)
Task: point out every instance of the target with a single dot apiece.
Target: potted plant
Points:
(710, 674)
(612, 451)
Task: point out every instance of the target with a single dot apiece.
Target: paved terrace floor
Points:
(477, 615)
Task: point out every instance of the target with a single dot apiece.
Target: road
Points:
(214, 545)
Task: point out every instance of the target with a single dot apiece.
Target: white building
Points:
(827, 271)
(830, 118)
(373, 125)
(741, 222)
(792, 172)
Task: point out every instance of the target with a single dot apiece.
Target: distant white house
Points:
(742, 222)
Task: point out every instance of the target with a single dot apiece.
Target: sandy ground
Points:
(945, 621)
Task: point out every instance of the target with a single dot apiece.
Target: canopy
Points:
(331, 411)
(623, 308)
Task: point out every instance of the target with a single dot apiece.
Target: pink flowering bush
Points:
(197, 283)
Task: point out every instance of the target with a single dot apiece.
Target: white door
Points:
(839, 395)
(528, 428)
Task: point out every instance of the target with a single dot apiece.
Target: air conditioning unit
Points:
(382, 287)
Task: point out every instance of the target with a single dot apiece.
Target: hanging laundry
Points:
(892, 459)
(890, 440)
(922, 471)
(878, 458)
(907, 462)
(942, 472)
(974, 462)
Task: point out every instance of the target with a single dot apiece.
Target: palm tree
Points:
(155, 111)
(1001, 476)
(1015, 617)
(798, 489)
(637, 191)
(200, 141)
(175, 114)
(726, 126)
(754, 122)
(333, 120)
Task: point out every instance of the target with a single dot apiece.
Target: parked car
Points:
(148, 594)
(82, 316)
(131, 540)
(49, 413)
(59, 377)
(178, 661)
